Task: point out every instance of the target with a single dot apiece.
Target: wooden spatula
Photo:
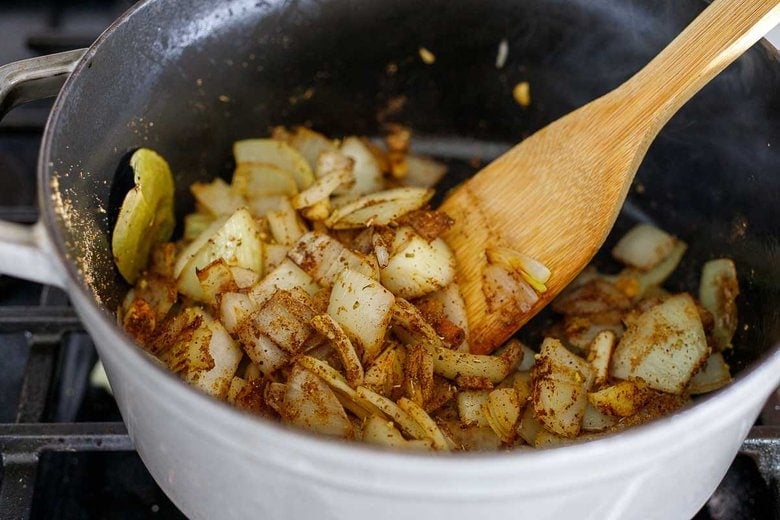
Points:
(556, 195)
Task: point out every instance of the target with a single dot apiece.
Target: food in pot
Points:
(315, 289)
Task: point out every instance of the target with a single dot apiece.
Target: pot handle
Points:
(24, 250)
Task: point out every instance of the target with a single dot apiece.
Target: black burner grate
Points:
(65, 452)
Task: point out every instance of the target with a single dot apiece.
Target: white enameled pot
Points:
(216, 462)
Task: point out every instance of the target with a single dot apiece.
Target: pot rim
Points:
(753, 380)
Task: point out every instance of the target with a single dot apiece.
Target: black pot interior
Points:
(189, 80)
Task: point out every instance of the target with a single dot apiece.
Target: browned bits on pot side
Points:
(84, 249)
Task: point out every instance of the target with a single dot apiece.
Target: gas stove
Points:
(65, 451)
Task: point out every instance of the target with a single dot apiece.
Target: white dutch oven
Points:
(189, 78)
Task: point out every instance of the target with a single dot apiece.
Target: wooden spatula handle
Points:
(717, 37)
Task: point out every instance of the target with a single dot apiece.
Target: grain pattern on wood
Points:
(556, 195)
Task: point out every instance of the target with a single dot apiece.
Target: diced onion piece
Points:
(506, 293)
(195, 224)
(600, 354)
(252, 372)
(454, 308)
(419, 268)
(407, 424)
(260, 348)
(470, 438)
(559, 405)
(285, 319)
(310, 144)
(331, 376)
(284, 223)
(382, 433)
(277, 153)
(243, 277)
(201, 352)
(422, 418)
(247, 395)
(410, 325)
(643, 247)
(623, 399)
(157, 291)
(311, 404)
(226, 355)
(658, 274)
(595, 420)
(714, 374)
(346, 394)
(217, 197)
(529, 426)
(557, 362)
(237, 242)
(237, 384)
(234, 308)
(386, 372)
(216, 278)
(260, 206)
(146, 215)
(423, 172)
(318, 211)
(328, 327)
(381, 249)
(595, 296)
(258, 179)
(664, 346)
(286, 276)
(379, 208)
(561, 380)
(418, 375)
(580, 331)
(335, 161)
(275, 254)
(451, 364)
(718, 291)
(363, 308)
(321, 189)
(274, 396)
(532, 271)
(546, 439)
(366, 170)
(470, 407)
(197, 244)
(502, 410)
(528, 359)
(522, 382)
(323, 258)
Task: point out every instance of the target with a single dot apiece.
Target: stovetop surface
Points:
(65, 451)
